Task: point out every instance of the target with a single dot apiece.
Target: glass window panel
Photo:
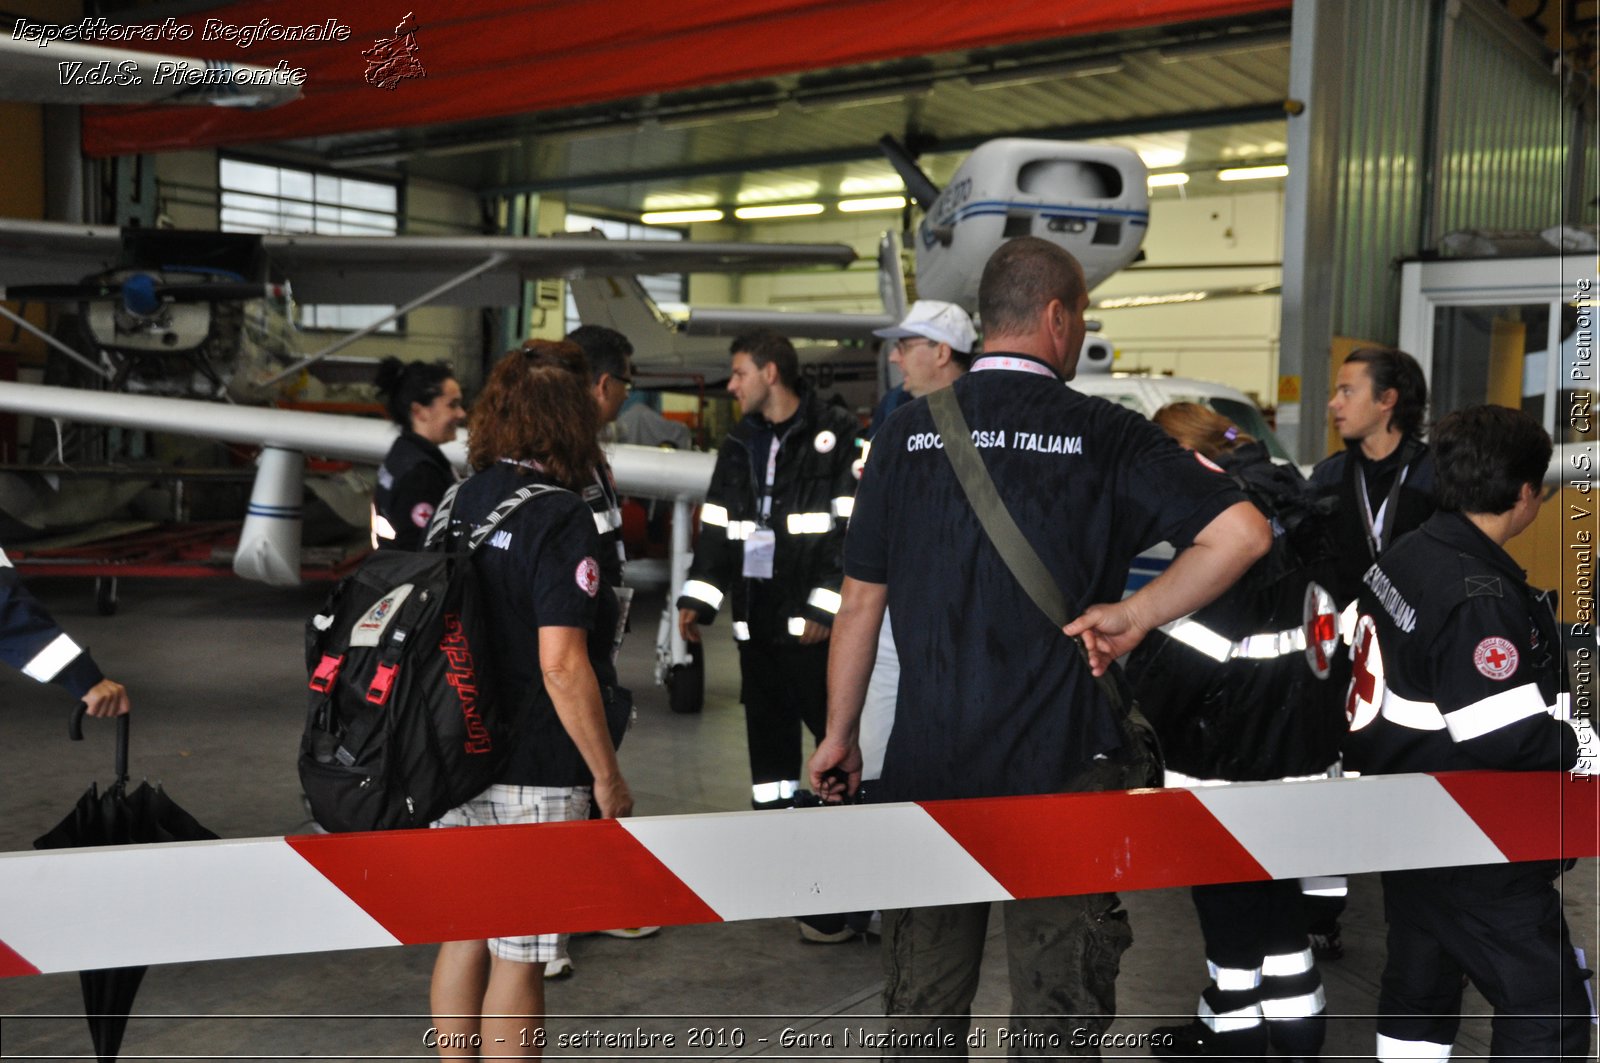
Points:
(248, 176)
(295, 183)
(1490, 354)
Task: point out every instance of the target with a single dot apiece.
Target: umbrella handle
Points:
(75, 732)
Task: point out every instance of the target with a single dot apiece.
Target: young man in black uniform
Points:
(1458, 665)
(1382, 484)
(771, 536)
(1383, 479)
(993, 700)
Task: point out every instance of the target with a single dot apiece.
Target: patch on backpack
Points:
(369, 630)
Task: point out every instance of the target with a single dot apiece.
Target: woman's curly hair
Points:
(537, 406)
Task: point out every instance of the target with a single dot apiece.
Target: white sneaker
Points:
(630, 932)
(560, 967)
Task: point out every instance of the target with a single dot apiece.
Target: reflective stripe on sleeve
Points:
(739, 530)
(1325, 886)
(713, 514)
(702, 591)
(48, 662)
(1228, 1021)
(1392, 1049)
(1495, 711)
(765, 792)
(1199, 637)
(1300, 1007)
(381, 528)
(824, 599)
(1417, 715)
(1284, 964)
(741, 631)
(5, 562)
(797, 626)
(810, 523)
(1232, 979)
(843, 506)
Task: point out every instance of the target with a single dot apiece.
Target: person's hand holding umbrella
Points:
(106, 698)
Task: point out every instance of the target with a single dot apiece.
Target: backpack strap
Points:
(507, 507)
(441, 518)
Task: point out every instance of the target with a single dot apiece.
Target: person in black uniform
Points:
(554, 620)
(993, 700)
(424, 399)
(1458, 665)
(32, 642)
(1251, 688)
(1381, 485)
(609, 355)
(771, 535)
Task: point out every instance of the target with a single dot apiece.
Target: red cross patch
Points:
(421, 514)
(1495, 658)
(1365, 697)
(588, 576)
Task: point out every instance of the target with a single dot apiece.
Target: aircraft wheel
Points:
(686, 684)
(105, 595)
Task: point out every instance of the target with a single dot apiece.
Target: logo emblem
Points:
(1366, 681)
(588, 576)
(1495, 658)
(421, 514)
(825, 441)
(1322, 629)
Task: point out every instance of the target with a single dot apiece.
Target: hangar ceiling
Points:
(1192, 99)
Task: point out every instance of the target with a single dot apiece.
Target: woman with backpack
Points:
(424, 399)
(1250, 688)
(554, 622)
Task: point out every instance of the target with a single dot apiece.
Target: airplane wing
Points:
(363, 269)
(646, 472)
(378, 269)
(813, 326)
(58, 71)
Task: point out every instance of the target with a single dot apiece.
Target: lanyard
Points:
(1005, 361)
(772, 475)
(1378, 524)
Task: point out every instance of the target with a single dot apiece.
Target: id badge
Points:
(759, 549)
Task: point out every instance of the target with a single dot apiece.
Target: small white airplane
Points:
(165, 310)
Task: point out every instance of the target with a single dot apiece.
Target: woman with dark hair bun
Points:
(554, 621)
(424, 399)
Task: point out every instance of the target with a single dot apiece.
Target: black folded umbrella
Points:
(117, 817)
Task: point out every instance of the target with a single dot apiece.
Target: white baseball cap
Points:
(934, 319)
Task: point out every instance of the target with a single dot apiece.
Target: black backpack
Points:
(404, 722)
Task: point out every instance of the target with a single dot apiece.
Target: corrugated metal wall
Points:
(1382, 156)
(1503, 135)
(1457, 99)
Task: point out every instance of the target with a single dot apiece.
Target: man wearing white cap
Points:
(933, 347)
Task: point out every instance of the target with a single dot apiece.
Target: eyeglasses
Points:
(911, 341)
(625, 381)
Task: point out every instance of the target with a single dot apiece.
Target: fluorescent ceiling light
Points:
(679, 217)
(743, 112)
(789, 191)
(1161, 158)
(858, 206)
(871, 185)
(777, 210)
(1164, 180)
(1252, 173)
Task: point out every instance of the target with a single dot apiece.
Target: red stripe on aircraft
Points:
(1090, 843)
(478, 882)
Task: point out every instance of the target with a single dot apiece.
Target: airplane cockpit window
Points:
(283, 200)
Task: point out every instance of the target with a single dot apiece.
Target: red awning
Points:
(490, 58)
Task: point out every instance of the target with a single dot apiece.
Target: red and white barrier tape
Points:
(66, 910)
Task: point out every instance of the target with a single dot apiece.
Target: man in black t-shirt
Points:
(993, 700)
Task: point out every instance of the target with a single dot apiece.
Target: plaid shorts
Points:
(522, 804)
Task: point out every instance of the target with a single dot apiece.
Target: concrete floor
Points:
(215, 673)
